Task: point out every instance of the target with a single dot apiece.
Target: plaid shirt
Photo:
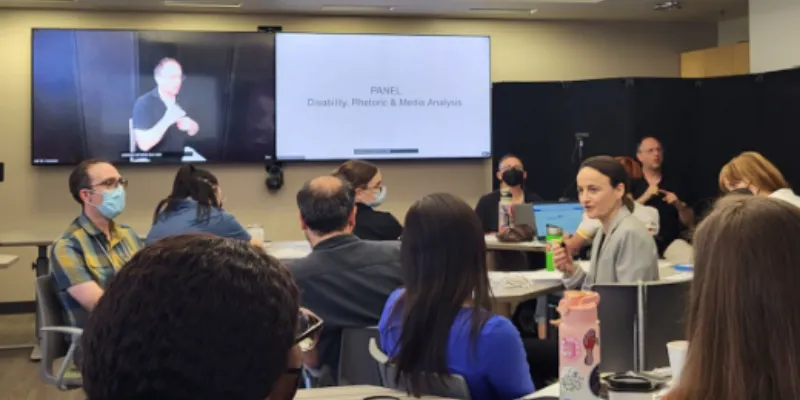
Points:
(84, 254)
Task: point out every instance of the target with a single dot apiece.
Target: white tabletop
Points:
(553, 390)
(493, 244)
(26, 239)
(288, 250)
(353, 393)
(6, 260)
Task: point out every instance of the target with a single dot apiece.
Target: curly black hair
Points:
(192, 317)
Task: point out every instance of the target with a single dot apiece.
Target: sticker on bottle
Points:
(571, 380)
(590, 340)
(571, 348)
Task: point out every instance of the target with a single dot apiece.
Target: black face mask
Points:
(513, 177)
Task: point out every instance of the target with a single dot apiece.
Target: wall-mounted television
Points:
(342, 96)
(152, 97)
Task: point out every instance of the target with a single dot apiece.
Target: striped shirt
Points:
(84, 254)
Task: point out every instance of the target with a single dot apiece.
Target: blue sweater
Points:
(496, 369)
(184, 220)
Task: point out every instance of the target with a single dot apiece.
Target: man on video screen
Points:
(160, 125)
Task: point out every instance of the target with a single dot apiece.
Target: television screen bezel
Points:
(381, 159)
(266, 160)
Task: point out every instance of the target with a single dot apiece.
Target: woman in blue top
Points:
(440, 322)
(195, 205)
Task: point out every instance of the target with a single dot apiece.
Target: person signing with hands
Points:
(160, 124)
(667, 192)
(623, 250)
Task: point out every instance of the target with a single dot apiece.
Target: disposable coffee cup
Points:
(256, 232)
(677, 358)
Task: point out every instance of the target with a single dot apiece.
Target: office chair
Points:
(665, 305)
(618, 313)
(356, 365)
(453, 386)
(52, 334)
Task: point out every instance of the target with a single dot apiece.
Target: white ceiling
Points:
(619, 10)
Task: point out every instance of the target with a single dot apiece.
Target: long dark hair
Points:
(196, 184)
(443, 255)
(743, 328)
(616, 174)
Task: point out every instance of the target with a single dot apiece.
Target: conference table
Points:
(508, 293)
(508, 290)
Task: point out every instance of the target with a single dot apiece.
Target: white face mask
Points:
(379, 197)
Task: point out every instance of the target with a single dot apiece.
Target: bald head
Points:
(326, 184)
(326, 205)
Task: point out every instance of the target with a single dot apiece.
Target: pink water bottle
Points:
(579, 346)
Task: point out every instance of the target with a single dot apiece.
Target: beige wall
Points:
(774, 30)
(37, 199)
(733, 31)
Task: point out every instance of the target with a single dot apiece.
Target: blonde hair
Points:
(754, 169)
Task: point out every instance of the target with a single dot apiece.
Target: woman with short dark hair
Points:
(441, 322)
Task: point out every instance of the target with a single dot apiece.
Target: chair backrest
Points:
(617, 312)
(52, 344)
(665, 305)
(356, 365)
(453, 386)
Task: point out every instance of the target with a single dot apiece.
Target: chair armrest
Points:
(68, 330)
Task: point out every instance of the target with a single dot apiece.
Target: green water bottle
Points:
(554, 239)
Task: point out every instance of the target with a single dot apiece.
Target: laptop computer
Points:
(568, 216)
(523, 215)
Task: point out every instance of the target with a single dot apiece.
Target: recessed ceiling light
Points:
(201, 4)
(356, 8)
(668, 6)
(504, 11)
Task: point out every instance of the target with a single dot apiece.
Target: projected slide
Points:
(342, 96)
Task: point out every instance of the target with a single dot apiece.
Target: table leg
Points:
(40, 267)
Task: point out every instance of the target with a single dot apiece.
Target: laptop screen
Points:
(566, 215)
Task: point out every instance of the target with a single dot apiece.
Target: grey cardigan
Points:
(628, 255)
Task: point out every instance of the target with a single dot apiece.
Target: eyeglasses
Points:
(111, 183)
(308, 327)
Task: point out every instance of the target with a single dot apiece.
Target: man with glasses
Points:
(668, 193)
(94, 247)
(160, 124)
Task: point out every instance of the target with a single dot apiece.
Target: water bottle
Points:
(579, 346)
(505, 210)
(554, 238)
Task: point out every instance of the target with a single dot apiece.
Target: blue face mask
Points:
(113, 203)
(378, 197)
